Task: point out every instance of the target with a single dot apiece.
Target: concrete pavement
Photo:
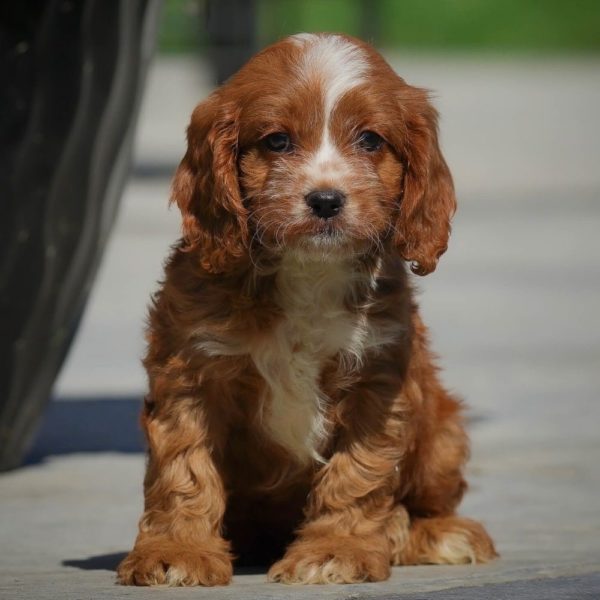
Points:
(513, 311)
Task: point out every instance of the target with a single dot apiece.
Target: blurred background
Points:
(513, 307)
(475, 26)
(517, 85)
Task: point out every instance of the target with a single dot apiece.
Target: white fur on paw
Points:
(175, 576)
(455, 548)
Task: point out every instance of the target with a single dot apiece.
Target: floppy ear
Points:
(206, 187)
(428, 202)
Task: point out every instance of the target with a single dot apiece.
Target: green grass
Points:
(279, 18)
(181, 27)
(512, 25)
(428, 25)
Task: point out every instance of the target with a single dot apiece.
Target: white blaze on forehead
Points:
(337, 65)
(301, 38)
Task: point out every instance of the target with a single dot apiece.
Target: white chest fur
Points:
(316, 326)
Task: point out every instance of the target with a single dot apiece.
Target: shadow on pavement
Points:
(110, 562)
(102, 562)
(89, 425)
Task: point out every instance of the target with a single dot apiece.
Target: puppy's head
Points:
(315, 146)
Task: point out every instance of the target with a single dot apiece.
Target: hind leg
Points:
(448, 540)
(424, 528)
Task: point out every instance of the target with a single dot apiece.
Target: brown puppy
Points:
(295, 412)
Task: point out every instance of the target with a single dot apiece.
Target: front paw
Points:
(159, 561)
(332, 560)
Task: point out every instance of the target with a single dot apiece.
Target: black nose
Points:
(325, 203)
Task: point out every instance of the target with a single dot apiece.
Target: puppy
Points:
(295, 415)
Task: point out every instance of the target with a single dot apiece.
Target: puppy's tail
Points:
(437, 540)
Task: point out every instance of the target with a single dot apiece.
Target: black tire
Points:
(71, 74)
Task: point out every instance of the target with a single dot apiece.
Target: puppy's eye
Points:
(370, 141)
(278, 142)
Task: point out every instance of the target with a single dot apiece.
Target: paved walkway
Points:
(513, 311)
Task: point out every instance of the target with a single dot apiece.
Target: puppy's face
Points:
(317, 169)
(316, 145)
